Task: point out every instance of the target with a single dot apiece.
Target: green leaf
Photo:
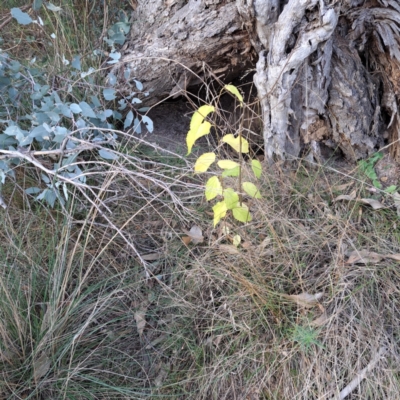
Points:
(76, 62)
(115, 55)
(128, 120)
(234, 90)
(376, 183)
(52, 7)
(219, 211)
(136, 126)
(231, 198)
(75, 108)
(37, 4)
(109, 94)
(193, 135)
(391, 189)
(21, 17)
(251, 190)
(213, 188)
(33, 190)
(148, 123)
(242, 213)
(90, 71)
(204, 162)
(256, 167)
(87, 110)
(107, 155)
(138, 84)
(231, 172)
(227, 164)
(240, 146)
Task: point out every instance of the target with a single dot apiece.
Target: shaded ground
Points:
(171, 124)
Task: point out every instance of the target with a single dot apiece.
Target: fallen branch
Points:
(361, 375)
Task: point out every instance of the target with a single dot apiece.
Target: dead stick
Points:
(362, 375)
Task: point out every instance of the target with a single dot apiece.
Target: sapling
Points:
(229, 198)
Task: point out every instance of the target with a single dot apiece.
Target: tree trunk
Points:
(328, 71)
(172, 42)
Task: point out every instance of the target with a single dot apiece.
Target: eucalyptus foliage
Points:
(55, 127)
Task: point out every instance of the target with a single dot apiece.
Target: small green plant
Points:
(367, 168)
(231, 198)
(305, 337)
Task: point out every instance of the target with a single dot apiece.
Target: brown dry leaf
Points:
(41, 366)
(375, 204)
(393, 256)
(140, 318)
(224, 229)
(229, 249)
(305, 299)
(196, 234)
(266, 242)
(247, 245)
(152, 256)
(339, 188)
(347, 197)
(321, 320)
(158, 381)
(364, 257)
(186, 239)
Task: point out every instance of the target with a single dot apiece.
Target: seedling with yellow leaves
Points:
(230, 199)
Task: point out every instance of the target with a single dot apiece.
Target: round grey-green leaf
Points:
(148, 122)
(75, 108)
(21, 17)
(87, 110)
(109, 94)
(107, 155)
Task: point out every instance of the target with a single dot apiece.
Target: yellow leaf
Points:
(199, 115)
(256, 167)
(231, 198)
(219, 211)
(234, 142)
(242, 213)
(213, 188)
(194, 134)
(231, 172)
(204, 162)
(251, 190)
(234, 90)
(227, 164)
(236, 240)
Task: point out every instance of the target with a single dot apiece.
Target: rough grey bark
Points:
(173, 42)
(327, 72)
(277, 74)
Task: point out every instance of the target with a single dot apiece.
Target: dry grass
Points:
(103, 300)
(211, 321)
(244, 339)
